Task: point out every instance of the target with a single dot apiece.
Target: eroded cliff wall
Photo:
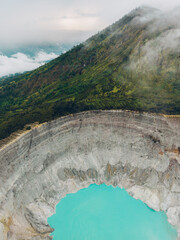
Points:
(137, 151)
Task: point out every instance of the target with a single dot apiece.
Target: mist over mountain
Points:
(134, 64)
(32, 49)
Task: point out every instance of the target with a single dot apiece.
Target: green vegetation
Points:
(95, 75)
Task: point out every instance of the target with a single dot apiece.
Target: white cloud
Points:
(52, 21)
(43, 57)
(19, 62)
(166, 42)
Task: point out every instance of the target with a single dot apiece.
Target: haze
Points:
(37, 21)
(26, 23)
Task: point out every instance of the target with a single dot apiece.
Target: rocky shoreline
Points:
(137, 151)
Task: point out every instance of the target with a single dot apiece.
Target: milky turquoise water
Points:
(102, 212)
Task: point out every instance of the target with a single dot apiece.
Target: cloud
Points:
(43, 57)
(20, 62)
(153, 51)
(164, 29)
(78, 23)
(52, 21)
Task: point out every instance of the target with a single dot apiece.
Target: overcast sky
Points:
(37, 22)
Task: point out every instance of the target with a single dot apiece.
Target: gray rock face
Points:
(137, 151)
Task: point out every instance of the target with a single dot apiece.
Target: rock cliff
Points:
(137, 151)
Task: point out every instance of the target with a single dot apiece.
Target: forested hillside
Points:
(133, 64)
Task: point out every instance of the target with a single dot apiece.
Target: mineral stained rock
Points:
(137, 151)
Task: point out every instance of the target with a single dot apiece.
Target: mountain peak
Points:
(144, 10)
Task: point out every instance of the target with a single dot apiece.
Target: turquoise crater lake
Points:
(102, 212)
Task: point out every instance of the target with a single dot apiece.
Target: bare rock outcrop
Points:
(137, 151)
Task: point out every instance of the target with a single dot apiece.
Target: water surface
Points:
(102, 212)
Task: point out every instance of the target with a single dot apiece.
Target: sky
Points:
(38, 22)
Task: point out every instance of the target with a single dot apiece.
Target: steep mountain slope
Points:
(133, 64)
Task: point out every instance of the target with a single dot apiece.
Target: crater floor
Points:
(136, 151)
